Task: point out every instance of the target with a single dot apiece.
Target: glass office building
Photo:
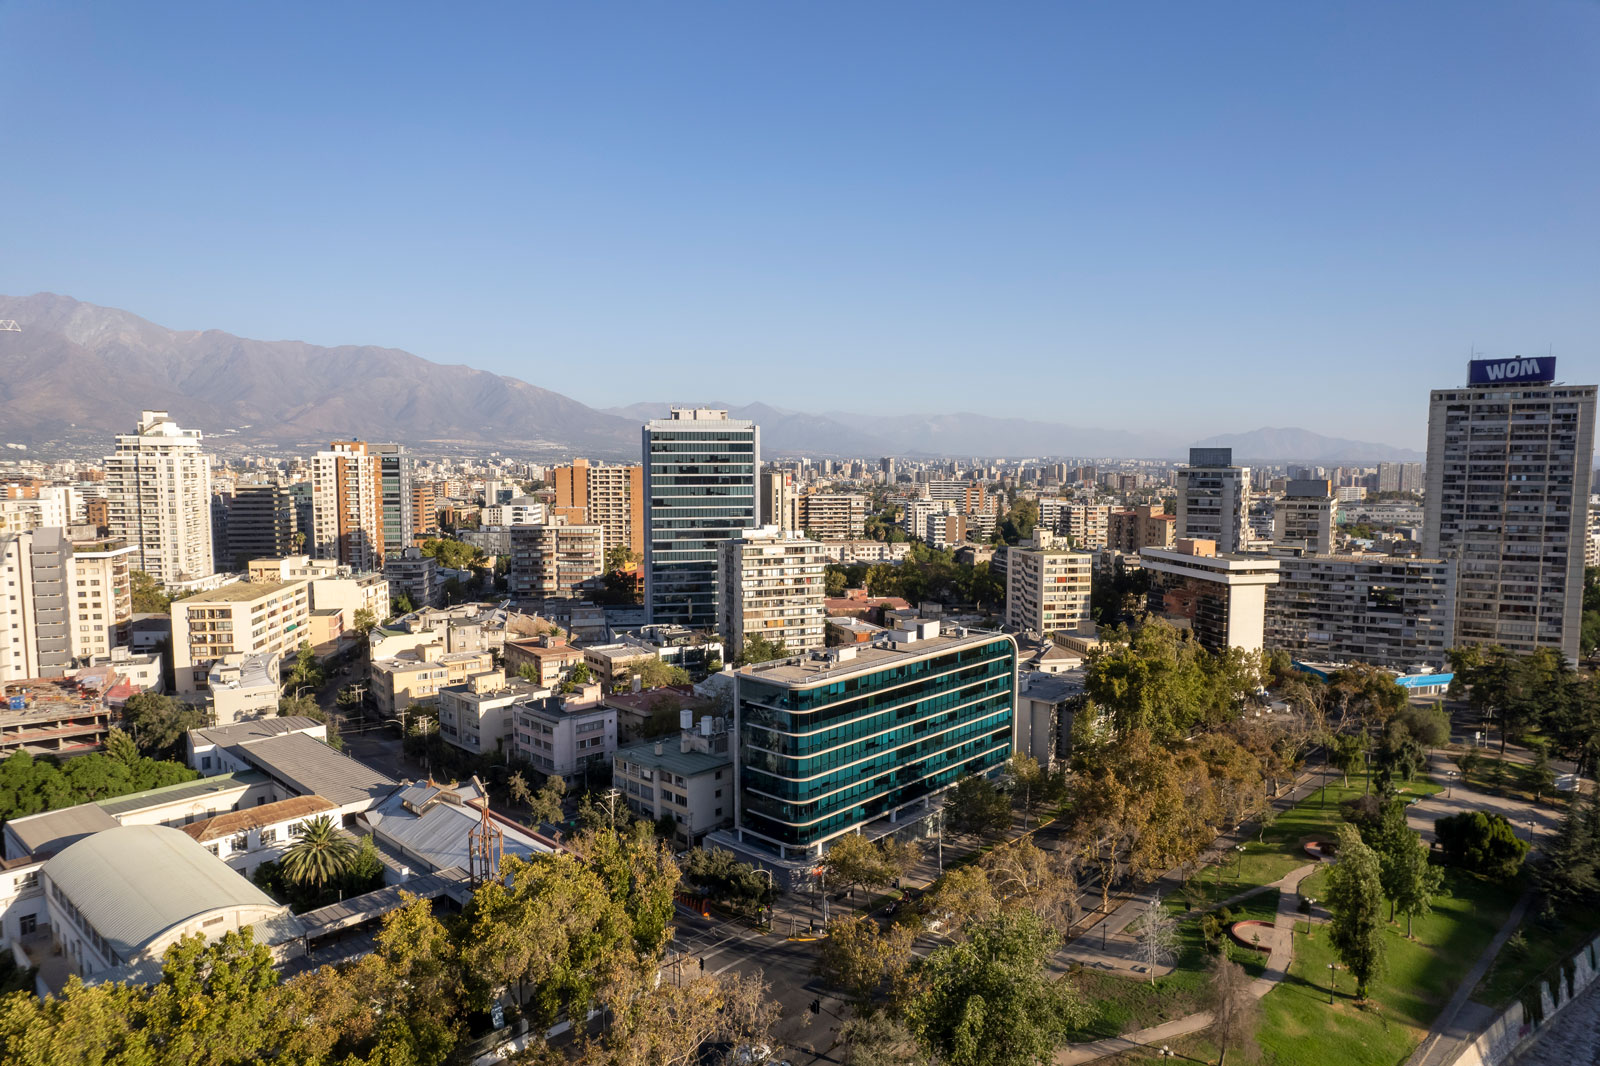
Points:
(699, 488)
(394, 467)
(830, 743)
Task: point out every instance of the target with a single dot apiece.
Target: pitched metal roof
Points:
(205, 786)
(312, 768)
(437, 838)
(254, 729)
(53, 831)
(226, 825)
(134, 882)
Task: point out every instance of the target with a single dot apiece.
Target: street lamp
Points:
(1530, 831)
(1333, 976)
(1450, 783)
(1238, 870)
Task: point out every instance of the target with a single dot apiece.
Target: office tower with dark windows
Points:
(701, 470)
(261, 524)
(394, 470)
(865, 738)
(1507, 476)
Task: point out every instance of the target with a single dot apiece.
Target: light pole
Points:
(1238, 869)
(1333, 976)
(1450, 783)
(1530, 831)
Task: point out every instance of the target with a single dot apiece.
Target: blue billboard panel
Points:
(1515, 371)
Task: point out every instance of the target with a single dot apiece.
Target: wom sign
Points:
(1508, 371)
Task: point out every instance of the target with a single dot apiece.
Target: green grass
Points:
(1546, 941)
(1123, 1004)
(1299, 1028)
(1509, 778)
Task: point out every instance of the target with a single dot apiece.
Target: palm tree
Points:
(320, 854)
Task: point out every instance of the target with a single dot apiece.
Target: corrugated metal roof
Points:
(53, 831)
(226, 825)
(312, 768)
(134, 882)
(438, 837)
(255, 729)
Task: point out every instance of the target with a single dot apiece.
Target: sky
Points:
(1211, 217)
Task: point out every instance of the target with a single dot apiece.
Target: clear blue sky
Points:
(1214, 216)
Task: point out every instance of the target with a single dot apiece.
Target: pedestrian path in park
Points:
(1277, 968)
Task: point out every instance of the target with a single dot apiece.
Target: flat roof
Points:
(241, 591)
(205, 786)
(311, 767)
(254, 729)
(673, 758)
(868, 658)
(52, 831)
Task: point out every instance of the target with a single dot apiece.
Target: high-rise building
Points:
(556, 562)
(1214, 499)
(158, 499)
(1303, 516)
(1088, 524)
(777, 499)
(1385, 610)
(772, 587)
(424, 509)
(604, 495)
(347, 505)
(394, 470)
(1047, 587)
(865, 738)
(832, 515)
(1220, 598)
(700, 488)
(261, 524)
(1507, 477)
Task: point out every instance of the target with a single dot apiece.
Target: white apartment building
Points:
(1507, 476)
(476, 716)
(520, 511)
(1220, 598)
(1086, 523)
(772, 587)
(158, 499)
(419, 675)
(268, 617)
(1047, 587)
(1303, 516)
(62, 602)
(1214, 500)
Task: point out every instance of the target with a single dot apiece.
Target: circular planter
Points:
(1242, 932)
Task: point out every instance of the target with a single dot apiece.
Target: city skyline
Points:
(1366, 195)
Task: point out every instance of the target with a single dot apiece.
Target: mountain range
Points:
(78, 373)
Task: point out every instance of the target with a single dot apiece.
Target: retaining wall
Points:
(1518, 1026)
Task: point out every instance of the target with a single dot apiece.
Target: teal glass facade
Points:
(820, 758)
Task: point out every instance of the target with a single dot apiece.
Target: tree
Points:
(876, 1039)
(715, 872)
(529, 672)
(652, 673)
(581, 674)
(1539, 777)
(320, 854)
(1158, 937)
(989, 1000)
(1346, 751)
(758, 649)
(1235, 1013)
(1482, 842)
(306, 670)
(517, 788)
(679, 1023)
(1045, 882)
(1414, 880)
(1355, 899)
(854, 860)
(403, 604)
(1570, 873)
(548, 805)
(1027, 779)
(856, 957)
(159, 723)
(215, 1003)
(148, 595)
(961, 897)
(977, 807)
(452, 554)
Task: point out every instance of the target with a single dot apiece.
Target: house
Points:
(244, 839)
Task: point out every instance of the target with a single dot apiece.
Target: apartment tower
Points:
(158, 499)
(347, 505)
(1214, 500)
(772, 587)
(1507, 483)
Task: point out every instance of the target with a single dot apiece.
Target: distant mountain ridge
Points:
(80, 371)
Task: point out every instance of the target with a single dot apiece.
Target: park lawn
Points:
(1270, 855)
(1509, 778)
(1123, 1004)
(1548, 942)
(1298, 1026)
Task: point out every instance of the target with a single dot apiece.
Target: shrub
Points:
(1482, 843)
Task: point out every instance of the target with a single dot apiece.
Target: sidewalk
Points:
(1278, 961)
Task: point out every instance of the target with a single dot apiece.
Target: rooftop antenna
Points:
(9, 325)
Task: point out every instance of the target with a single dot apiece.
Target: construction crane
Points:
(9, 325)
